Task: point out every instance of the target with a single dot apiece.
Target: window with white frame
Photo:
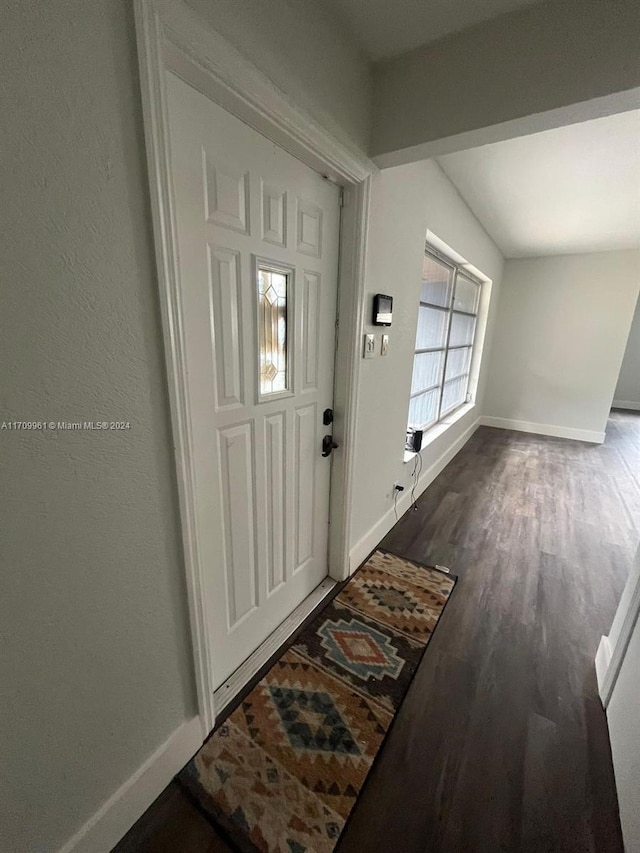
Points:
(447, 319)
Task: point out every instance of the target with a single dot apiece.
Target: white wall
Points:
(623, 716)
(561, 330)
(297, 44)
(627, 393)
(545, 61)
(96, 659)
(406, 201)
(96, 654)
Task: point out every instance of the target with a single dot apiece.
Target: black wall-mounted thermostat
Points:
(382, 309)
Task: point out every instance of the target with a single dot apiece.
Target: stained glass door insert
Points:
(272, 331)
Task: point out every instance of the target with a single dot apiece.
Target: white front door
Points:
(258, 257)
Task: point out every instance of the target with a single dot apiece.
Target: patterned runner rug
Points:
(283, 772)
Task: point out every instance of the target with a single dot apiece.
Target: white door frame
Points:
(613, 647)
(171, 36)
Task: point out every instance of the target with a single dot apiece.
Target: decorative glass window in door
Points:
(272, 330)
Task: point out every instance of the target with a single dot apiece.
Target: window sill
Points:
(439, 429)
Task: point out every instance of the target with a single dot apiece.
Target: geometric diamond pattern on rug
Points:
(360, 666)
(394, 599)
(408, 598)
(312, 721)
(238, 783)
(284, 770)
(336, 771)
(360, 649)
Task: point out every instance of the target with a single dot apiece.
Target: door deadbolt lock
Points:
(327, 417)
(328, 445)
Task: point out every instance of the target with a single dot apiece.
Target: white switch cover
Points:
(369, 346)
(384, 349)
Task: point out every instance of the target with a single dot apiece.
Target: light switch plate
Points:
(384, 349)
(369, 346)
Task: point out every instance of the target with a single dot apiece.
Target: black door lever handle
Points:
(328, 444)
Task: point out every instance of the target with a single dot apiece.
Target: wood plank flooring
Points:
(501, 743)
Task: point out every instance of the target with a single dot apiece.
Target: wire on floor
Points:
(415, 474)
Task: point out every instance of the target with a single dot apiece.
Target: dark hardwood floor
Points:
(501, 743)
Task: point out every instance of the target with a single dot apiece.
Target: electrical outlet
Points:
(369, 349)
(397, 489)
(384, 349)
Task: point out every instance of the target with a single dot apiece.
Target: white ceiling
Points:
(570, 190)
(387, 27)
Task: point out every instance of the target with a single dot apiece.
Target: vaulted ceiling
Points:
(569, 190)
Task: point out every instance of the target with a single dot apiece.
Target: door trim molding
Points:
(187, 45)
(351, 303)
(170, 36)
(613, 647)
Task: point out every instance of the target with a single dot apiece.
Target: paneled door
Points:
(258, 258)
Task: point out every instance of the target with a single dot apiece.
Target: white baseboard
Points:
(592, 436)
(114, 818)
(366, 545)
(626, 404)
(603, 659)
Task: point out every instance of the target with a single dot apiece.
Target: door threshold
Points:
(229, 689)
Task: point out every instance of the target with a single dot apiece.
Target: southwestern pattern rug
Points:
(283, 772)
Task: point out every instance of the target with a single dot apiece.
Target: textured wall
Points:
(303, 50)
(628, 387)
(562, 326)
(96, 665)
(406, 201)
